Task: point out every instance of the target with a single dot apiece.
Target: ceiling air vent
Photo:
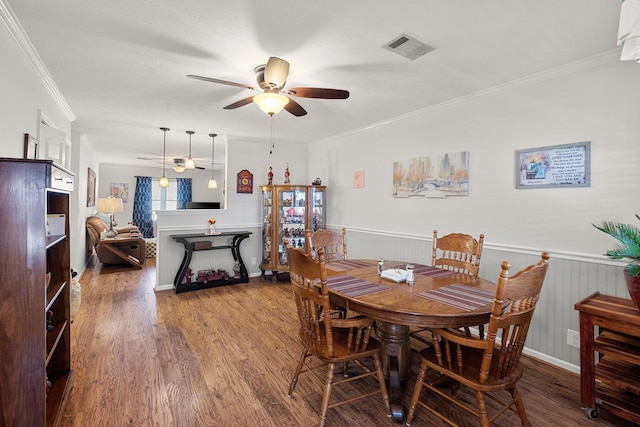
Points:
(408, 46)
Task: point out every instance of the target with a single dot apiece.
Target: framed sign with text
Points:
(245, 181)
(557, 166)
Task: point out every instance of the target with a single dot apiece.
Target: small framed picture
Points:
(91, 188)
(358, 179)
(30, 147)
(245, 182)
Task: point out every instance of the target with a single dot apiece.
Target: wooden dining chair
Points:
(327, 341)
(486, 365)
(334, 244)
(457, 252)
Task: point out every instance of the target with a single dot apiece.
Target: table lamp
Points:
(110, 206)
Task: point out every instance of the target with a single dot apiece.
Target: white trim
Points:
(552, 360)
(572, 256)
(16, 30)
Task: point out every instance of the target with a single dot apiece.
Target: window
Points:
(164, 199)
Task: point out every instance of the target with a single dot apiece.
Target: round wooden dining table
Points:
(357, 285)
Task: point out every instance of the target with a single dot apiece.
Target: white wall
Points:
(600, 103)
(83, 157)
(23, 94)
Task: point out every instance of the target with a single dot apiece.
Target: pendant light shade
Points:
(190, 164)
(164, 181)
(271, 102)
(212, 182)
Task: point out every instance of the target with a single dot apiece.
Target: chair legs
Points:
(331, 381)
(481, 413)
(482, 409)
(296, 373)
(327, 393)
(515, 394)
(416, 394)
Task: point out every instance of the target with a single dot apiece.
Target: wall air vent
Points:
(408, 46)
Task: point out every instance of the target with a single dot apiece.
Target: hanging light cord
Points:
(213, 136)
(273, 139)
(164, 150)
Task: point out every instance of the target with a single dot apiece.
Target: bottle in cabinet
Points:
(287, 212)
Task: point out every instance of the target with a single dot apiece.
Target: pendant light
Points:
(164, 181)
(212, 181)
(190, 164)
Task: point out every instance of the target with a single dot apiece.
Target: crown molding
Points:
(22, 40)
(609, 56)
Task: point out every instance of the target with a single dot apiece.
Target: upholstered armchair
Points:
(98, 223)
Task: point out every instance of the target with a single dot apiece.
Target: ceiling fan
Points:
(179, 164)
(271, 78)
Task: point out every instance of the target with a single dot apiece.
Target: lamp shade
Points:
(271, 102)
(163, 182)
(212, 183)
(109, 205)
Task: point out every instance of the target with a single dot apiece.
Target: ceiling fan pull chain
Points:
(273, 143)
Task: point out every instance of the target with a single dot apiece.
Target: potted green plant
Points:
(628, 248)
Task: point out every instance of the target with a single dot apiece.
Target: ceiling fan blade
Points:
(316, 92)
(222, 82)
(200, 167)
(240, 103)
(276, 72)
(294, 108)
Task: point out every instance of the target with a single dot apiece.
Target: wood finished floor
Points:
(224, 357)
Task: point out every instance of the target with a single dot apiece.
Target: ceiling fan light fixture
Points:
(629, 31)
(178, 165)
(271, 102)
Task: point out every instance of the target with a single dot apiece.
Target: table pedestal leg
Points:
(396, 360)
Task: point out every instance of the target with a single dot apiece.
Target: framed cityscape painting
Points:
(433, 176)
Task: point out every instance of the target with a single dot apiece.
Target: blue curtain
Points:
(142, 206)
(184, 192)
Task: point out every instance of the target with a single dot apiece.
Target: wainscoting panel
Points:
(570, 278)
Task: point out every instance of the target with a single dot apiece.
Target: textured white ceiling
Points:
(122, 64)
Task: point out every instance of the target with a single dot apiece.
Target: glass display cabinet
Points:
(287, 211)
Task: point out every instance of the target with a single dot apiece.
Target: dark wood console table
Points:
(612, 380)
(206, 242)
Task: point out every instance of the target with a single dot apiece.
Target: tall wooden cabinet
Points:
(35, 338)
(287, 211)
